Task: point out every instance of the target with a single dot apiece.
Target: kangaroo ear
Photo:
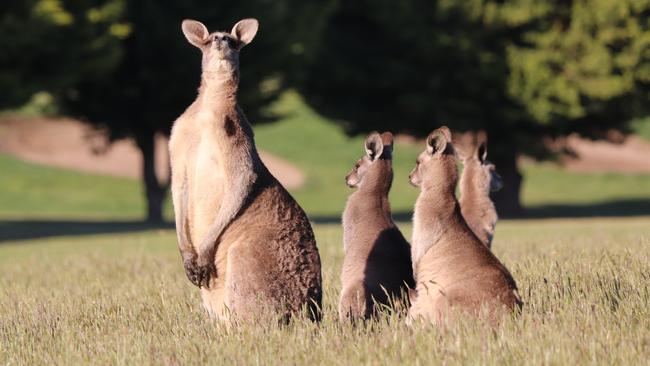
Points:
(437, 140)
(244, 31)
(195, 32)
(387, 141)
(481, 152)
(374, 146)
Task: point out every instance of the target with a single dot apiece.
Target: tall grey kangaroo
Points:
(377, 265)
(243, 239)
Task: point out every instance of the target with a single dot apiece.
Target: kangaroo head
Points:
(379, 149)
(482, 171)
(436, 165)
(220, 49)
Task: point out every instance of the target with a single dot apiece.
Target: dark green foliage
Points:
(586, 67)
(518, 69)
(44, 46)
(159, 73)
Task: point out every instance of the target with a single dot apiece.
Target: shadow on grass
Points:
(621, 208)
(13, 230)
(618, 208)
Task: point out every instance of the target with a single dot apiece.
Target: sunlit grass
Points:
(124, 299)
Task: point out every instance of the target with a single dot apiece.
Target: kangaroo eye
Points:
(231, 42)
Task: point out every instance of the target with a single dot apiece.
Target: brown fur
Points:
(377, 264)
(243, 238)
(452, 268)
(479, 178)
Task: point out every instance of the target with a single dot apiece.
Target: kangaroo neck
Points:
(371, 203)
(372, 195)
(436, 205)
(436, 212)
(218, 91)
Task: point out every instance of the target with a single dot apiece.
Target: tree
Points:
(586, 68)
(48, 47)
(158, 72)
(411, 66)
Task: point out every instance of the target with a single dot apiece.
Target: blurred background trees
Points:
(48, 47)
(523, 71)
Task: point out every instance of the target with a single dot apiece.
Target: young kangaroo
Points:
(479, 178)
(452, 268)
(377, 265)
(243, 239)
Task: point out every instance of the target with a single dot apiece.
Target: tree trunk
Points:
(154, 189)
(507, 200)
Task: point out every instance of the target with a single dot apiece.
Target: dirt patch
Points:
(631, 156)
(67, 143)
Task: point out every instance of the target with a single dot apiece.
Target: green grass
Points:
(547, 184)
(124, 299)
(641, 127)
(36, 191)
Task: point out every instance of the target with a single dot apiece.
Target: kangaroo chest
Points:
(207, 178)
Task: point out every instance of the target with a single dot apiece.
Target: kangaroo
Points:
(452, 268)
(478, 179)
(243, 239)
(377, 263)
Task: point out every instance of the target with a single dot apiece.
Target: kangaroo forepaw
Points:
(199, 271)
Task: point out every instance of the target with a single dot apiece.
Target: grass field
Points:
(124, 299)
(83, 282)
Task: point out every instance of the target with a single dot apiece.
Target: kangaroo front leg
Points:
(180, 196)
(237, 192)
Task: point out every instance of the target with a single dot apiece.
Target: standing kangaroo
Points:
(452, 268)
(243, 239)
(478, 179)
(377, 265)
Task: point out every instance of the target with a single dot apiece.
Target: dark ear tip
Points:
(387, 138)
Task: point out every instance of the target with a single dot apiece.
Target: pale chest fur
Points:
(349, 222)
(197, 153)
(426, 233)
